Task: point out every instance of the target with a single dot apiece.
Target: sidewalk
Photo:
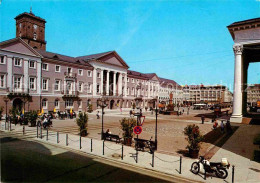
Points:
(162, 162)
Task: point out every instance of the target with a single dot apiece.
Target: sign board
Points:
(138, 130)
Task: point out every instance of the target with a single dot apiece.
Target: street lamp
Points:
(102, 104)
(6, 101)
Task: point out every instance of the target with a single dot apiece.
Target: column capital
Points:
(238, 49)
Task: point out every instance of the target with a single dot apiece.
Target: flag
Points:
(70, 110)
(23, 111)
(54, 110)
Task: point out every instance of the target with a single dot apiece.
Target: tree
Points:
(82, 122)
(127, 125)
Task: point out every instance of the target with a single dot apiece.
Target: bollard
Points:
(136, 156)
(23, 130)
(67, 140)
(79, 142)
(57, 137)
(103, 147)
(41, 132)
(37, 131)
(5, 124)
(91, 145)
(47, 133)
(153, 159)
(205, 177)
(10, 126)
(180, 164)
(122, 156)
(233, 173)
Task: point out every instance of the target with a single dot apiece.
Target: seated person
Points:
(215, 125)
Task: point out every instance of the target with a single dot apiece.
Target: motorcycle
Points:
(219, 168)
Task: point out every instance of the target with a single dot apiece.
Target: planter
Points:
(193, 153)
(128, 141)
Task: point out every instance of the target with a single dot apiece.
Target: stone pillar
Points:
(39, 77)
(120, 84)
(125, 85)
(149, 89)
(26, 75)
(107, 87)
(94, 82)
(101, 85)
(237, 100)
(9, 62)
(114, 84)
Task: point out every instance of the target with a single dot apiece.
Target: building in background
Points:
(253, 94)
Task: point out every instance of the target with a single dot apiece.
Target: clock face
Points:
(35, 26)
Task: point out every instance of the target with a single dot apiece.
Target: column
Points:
(39, 76)
(107, 92)
(9, 62)
(101, 85)
(114, 84)
(94, 82)
(26, 75)
(125, 85)
(237, 100)
(120, 84)
(149, 89)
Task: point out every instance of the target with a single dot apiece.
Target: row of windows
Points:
(68, 103)
(18, 62)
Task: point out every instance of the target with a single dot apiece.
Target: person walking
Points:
(222, 126)
(98, 115)
(202, 119)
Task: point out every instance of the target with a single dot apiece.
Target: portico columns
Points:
(120, 84)
(107, 88)
(114, 84)
(237, 100)
(125, 88)
(101, 85)
(9, 62)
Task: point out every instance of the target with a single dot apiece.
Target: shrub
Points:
(32, 117)
(127, 125)
(14, 112)
(170, 107)
(82, 122)
(194, 137)
(1, 111)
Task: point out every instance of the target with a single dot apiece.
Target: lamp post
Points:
(102, 104)
(6, 101)
(156, 114)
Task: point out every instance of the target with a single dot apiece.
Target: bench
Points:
(111, 137)
(141, 144)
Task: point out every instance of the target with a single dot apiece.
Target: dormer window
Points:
(34, 36)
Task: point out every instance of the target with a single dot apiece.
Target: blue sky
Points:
(186, 41)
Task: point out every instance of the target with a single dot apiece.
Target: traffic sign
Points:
(138, 130)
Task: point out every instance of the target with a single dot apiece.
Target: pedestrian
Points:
(130, 113)
(222, 126)
(183, 111)
(215, 125)
(202, 119)
(98, 115)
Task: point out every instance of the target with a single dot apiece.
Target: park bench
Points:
(141, 144)
(111, 137)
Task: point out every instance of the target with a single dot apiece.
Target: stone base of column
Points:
(236, 118)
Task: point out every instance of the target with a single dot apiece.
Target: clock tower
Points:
(31, 29)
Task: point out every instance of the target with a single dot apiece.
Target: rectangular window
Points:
(32, 64)
(133, 81)
(2, 81)
(98, 90)
(32, 83)
(80, 87)
(57, 68)
(80, 104)
(89, 88)
(69, 70)
(89, 73)
(69, 103)
(44, 84)
(44, 104)
(80, 72)
(45, 67)
(17, 62)
(57, 104)
(2, 60)
(98, 74)
(57, 85)
(127, 79)
(17, 82)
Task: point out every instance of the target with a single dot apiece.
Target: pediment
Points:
(19, 46)
(114, 59)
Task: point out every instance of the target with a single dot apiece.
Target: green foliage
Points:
(82, 122)
(127, 125)
(32, 117)
(170, 107)
(257, 140)
(194, 136)
(90, 108)
(14, 112)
